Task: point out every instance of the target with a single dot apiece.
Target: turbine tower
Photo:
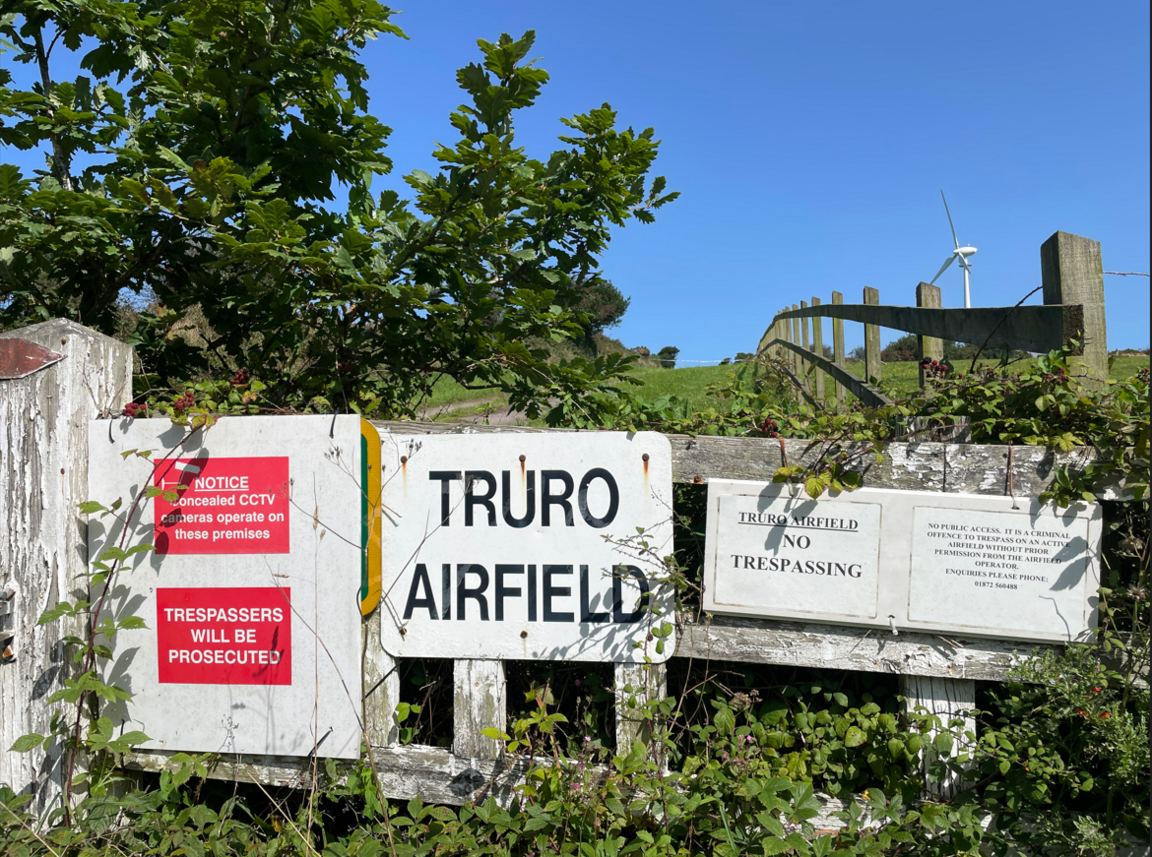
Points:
(961, 253)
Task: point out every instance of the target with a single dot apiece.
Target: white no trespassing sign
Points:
(526, 546)
(916, 560)
(251, 596)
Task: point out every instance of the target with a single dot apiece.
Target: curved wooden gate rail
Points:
(1072, 280)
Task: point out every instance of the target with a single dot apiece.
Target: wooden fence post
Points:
(797, 363)
(43, 537)
(788, 356)
(818, 348)
(381, 686)
(804, 364)
(948, 699)
(838, 356)
(871, 340)
(648, 682)
(479, 702)
(1072, 272)
(928, 295)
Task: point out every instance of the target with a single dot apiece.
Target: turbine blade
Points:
(949, 213)
(943, 268)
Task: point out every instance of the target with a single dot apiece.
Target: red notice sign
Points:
(226, 506)
(224, 635)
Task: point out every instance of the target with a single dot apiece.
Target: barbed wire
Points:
(1126, 273)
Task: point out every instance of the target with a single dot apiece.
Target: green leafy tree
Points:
(195, 165)
(602, 304)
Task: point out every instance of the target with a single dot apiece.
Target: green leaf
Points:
(27, 742)
(813, 487)
(854, 737)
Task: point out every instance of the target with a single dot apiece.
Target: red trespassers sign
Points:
(224, 635)
(223, 506)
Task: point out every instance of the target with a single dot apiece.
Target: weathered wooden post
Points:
(871, 340)
(797, 362)
(838, 356)
(929, 347)
(381, 686)
(479, 703)
(1072, 272)
(804, 363)
(949, 699)
(44, 416)
(789, 356)
(648, 683)
(818, 348)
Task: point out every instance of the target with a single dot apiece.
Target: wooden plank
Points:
(43, 556)
(823, 646)
(866, 393)
(949, 699)
(928, 347)
(951, 467)
(818, 349)
(478, 703)
(838, 354)
(1032, 328)
(872, 366)
(1072, 273)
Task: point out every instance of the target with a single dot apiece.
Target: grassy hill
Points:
(449, 400)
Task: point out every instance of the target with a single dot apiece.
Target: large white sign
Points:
(251, 596)
(917, 560)
(526, 546)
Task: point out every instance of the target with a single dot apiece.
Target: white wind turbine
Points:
(961, 253)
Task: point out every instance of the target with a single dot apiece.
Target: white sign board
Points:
(251, 596)
(915, 560)
(525, 546)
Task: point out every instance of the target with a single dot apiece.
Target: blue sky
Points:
(810, 143)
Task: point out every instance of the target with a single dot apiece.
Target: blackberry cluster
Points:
(185, 402)
(769, 427)
(1061, 376)
(1143, 374)
(134, 410)
(240, 378)
(934, 368)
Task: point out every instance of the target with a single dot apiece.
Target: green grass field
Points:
(903, 378)
(449, 400)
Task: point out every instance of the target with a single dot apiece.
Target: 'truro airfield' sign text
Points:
(916, 560)
(526, 546)
(252, 596)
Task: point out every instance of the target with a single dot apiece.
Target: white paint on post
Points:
(637, 685)
(950, 700)
(43, 479)
(381, 686)
(478, 703)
